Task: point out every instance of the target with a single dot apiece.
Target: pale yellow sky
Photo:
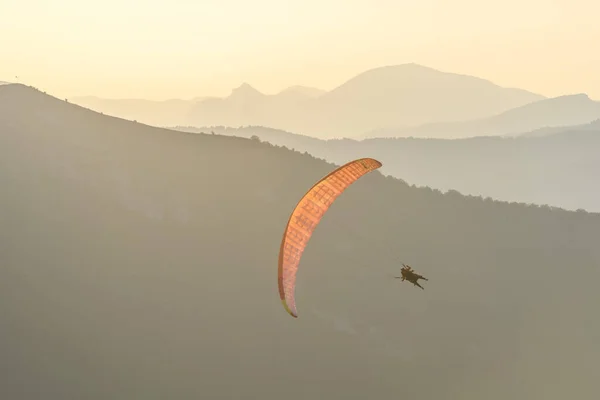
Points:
(158, 49)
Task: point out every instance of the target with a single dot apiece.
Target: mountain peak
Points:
(575, 96)
(407, 69)
(569, 100)
(245, 90)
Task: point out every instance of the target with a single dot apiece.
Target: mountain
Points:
(560, 169)
(158, 113)
(388, 98)
(384, 97)
(175, 111)
(411, 94)
(592, 126)
(278, 137)
(248, 106)
(556, 112)
(139, 262)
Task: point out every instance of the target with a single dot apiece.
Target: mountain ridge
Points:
(395, 95)
(552, 112)
(420, 95)
(525, 170)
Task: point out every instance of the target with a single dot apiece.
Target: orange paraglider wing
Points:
(305, 218)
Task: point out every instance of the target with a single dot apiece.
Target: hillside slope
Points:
(591, 126)
(560, 112)
(138, 262)
(557, 167)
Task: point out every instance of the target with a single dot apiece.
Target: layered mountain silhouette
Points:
(559, 167)
(246, 105)
(592, 126)
(139, 262)
(385, 97)
(176, 111)
(555, 112)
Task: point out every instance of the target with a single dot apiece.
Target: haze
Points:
(151, 154)
(141, 263)
(184, 49)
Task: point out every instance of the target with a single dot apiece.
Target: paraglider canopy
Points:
(305, 218)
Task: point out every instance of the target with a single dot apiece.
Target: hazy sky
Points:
(160, 49)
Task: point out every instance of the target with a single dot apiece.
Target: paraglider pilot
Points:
(410, 275)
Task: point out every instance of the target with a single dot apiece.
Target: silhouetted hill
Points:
(138, 262)
(559, 170)
(592, 126)
(274, 136)
(384, 97)
(556, 170)
(556, 112)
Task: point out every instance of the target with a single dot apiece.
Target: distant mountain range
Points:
(382, 98)
(592, 126)
(406, 100)
(555, 112)
(177, 111)
(559, 166)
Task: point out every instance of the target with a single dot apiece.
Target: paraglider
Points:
(410, 275)
(304, 219)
